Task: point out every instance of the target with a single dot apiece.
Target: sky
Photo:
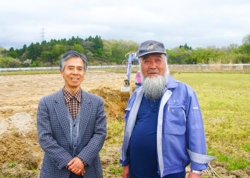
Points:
(198, 23)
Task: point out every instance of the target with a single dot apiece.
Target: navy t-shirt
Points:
(143, 144)
(142, 147)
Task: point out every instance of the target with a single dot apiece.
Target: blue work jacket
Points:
(180, 131)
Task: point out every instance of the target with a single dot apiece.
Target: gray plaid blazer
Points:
(54, 135)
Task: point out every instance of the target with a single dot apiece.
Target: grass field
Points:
(224, 99)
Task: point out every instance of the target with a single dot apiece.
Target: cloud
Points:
(174, 22)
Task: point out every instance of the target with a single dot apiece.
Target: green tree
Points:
(4, 61)
(12, 53)
(56, 52)
(33, 51)
(246, 39)
(88, 45)
(98, 46)
(78, 48)
(45, 57)
(245, 48)
(89, 55)
(107, 49)
(176, 56)
(186, 47)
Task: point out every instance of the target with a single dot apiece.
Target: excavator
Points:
(126, 89)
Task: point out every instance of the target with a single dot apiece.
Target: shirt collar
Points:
(68, 96)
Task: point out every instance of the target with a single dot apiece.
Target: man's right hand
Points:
(125, 172)
(76, 166)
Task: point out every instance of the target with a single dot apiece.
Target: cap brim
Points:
(150, 52)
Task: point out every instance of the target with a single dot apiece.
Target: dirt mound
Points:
(20, 152)
(113, 106)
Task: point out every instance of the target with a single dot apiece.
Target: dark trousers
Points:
(176, 175)
(72, 175)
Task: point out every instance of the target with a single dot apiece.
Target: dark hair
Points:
(70, 54)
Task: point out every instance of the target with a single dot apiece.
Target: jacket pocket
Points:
(174, 120)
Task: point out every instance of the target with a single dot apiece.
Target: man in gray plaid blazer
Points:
(71, 125)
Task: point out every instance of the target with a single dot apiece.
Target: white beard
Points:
(154, 87)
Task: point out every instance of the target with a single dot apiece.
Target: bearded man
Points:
(164, 128)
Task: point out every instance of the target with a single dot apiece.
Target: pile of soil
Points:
(113, 105)
(20, 153)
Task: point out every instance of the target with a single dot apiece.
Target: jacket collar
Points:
(172, 83)
(62, 113)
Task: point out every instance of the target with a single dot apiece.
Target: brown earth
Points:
(20, 153)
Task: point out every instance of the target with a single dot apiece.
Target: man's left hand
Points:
(194, 175)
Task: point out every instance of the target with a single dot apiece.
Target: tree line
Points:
(103, 52)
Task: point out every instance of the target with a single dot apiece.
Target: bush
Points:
(13, 63)
(4, 61)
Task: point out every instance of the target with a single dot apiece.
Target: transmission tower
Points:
(42, 34)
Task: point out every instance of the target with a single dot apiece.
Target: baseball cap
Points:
(151, 46)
